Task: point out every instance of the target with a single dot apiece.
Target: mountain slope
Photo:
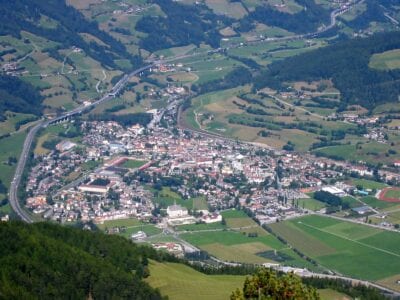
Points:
(347, 64)
(45, 261)
(25, 15)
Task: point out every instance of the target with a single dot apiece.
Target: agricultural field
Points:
(10, 148)
(241, 240)
(232, 9)
(239, 221)
(202, 226)
(388, 60)
(236, 113)
(12, 119)
(351, 249)
(131, 225)
(180, 282)
(311, 203)
(233, 245)
(370, 152)
(118, 223)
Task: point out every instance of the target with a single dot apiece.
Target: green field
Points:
(370, 152)
(236, 245)
(132, 226)
(180, 282)
(393, 194)
(311, 204)
(376, 203)
(388, 60)
(133, 164)
(368, 184)
(9, 124)
(167, 197)
(350, 249)
(196, 227)
(10, 147)
(119, 223)
(233, 213)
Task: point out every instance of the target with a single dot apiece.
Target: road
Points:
(13, 196)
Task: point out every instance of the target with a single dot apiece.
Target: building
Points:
(211, 218)
(65, 146)
(362, 210)
(140, 235)
(177, 211)
(334, 191)
(94, 189)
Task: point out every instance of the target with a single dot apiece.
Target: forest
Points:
(18, 96)
(307, 20)
(237, 77)
(346, 64)
(183, 25)
(125, 120)
(47, 261)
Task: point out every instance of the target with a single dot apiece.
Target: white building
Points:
(177, 211)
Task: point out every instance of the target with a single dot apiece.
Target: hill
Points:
(45, 261)
(18, 96)
(63, 25)
(346, 63)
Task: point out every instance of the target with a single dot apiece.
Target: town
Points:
(132, 169)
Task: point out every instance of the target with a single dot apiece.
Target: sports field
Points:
(390, 195)
(351, 249)
(133, 164)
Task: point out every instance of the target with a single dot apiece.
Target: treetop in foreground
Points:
(267, 284)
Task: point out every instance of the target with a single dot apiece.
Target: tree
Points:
(266, 284)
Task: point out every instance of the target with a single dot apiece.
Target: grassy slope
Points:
(182, 282)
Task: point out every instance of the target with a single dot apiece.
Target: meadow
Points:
(9, 147)
(180, 282)
(9, 125)
(351, 249)
(241, 240)
(310, 203)
(368, 184)
(132, 226)
(388, 60)
(167, 197)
